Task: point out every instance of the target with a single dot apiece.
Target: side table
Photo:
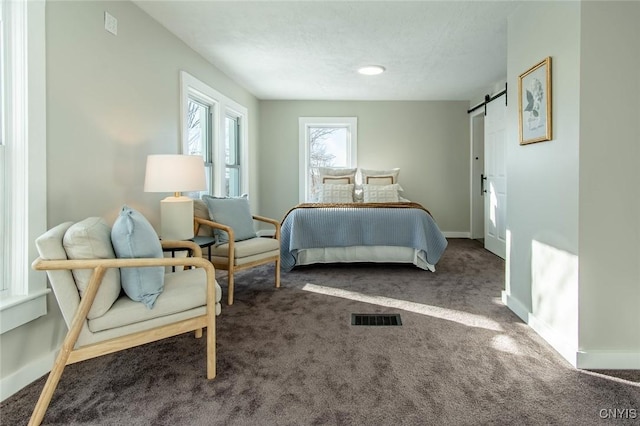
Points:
(202, 241)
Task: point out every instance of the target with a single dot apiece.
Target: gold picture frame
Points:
(534, 103)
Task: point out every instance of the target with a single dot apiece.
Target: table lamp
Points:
(175, 173)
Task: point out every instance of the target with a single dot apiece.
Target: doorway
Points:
(488, 175)
(477, 173)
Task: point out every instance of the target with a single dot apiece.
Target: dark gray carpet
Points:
(291, 357)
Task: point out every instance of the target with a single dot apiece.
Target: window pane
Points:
(231, 140)
(3, 168)
(200, 142)
(328, 147)
(3, 273)
(197, 119)
(232, 156)
(2, 80)
(232, 182)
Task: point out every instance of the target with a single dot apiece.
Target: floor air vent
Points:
(375, 319)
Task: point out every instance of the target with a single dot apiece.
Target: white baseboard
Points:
(557, 342)
(455, 234)
(514, 304)
(547, 333)
(608, 360)
(26, 375)
(582, 359)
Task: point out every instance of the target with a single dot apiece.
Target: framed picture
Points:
(534, 103)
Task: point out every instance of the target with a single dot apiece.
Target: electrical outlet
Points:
(110, 23)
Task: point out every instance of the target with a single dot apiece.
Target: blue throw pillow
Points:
(133, 237)
(232, 212)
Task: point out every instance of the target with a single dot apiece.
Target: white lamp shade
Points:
(174, 173)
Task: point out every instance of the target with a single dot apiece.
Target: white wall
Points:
(573, 267)
(542, 205)
(111, 101)
(610, 183)
(429, 141)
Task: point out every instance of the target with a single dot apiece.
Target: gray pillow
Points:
(232, 212)
(133, 237)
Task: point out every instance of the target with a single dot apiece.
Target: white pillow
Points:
(380, 193)
(91, 239)
(336, 193)
(336, 175)
(336, 171)
(379, 177)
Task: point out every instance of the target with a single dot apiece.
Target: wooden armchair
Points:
(188, 302)
(234, 255)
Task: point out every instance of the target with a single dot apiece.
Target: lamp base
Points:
(176, 218)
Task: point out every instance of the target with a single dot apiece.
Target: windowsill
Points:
(18, 310)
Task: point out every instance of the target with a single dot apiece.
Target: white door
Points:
(477, 171)
(495, 182)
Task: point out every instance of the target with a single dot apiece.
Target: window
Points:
(324, 142)
(23, 160)
(232, 156)
(215, 127)
(3, 167)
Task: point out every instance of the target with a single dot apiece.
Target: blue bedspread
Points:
(344, 226)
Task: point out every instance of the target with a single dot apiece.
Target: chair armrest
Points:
(200, 221)
(47, 265)
(270, 221)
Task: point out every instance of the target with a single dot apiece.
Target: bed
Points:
(396, 232)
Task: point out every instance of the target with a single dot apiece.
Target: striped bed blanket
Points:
(314, 225)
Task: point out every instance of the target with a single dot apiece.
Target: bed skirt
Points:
(358, 254)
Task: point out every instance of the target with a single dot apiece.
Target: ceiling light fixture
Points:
(371, 70)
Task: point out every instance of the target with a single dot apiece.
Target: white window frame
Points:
(24, 186)
(350, 123)
(220, 106)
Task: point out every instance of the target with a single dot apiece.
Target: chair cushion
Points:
(49, 244)
(246, 248)
(183, 291)
(91, 239)
(133, 237)
(200, 210)
(233, 212)
(50, 247)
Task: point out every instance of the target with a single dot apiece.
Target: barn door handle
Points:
(482, 179)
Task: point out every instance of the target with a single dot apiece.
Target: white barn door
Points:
(495, 184)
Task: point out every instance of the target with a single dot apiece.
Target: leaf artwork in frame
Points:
(534, 110)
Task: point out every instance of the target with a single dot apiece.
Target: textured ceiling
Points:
(432, 50)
